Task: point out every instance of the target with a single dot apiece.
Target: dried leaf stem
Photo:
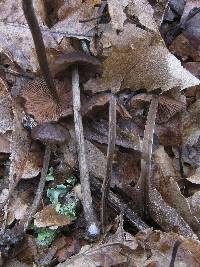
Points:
(39, 46)
(110, 155)
(91, 220)
(143, 183)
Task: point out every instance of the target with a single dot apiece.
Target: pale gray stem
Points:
(143, 183)
(90, 217)
(110, 155)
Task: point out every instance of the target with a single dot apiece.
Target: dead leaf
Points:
(195, 178)
(140, 60)
(49, 217)
(15, 36)
(116, 11)
(170, 190)
(70, 14)
(18, 205)
(144, 12)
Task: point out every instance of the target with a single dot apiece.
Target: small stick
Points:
(143, 183)
(39, 46)
(91, 220)
(110, 156)
(174, 252)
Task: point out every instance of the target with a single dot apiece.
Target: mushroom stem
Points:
(144, 180)
(90, 217)
(110, 156)
(31, 18)
(28, 217)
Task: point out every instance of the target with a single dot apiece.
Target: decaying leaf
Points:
(195, 178)
(170, 190)
(70, 14)
(144, 12)
(49, 217)
(116, 11)
(191, 124)
(16, 39)
(148, 248)
(18, 205)
(140, 60)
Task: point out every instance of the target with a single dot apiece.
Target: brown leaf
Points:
(70, 14)
(170, 190)
(15, 36)
(137, 57)
(116, 11)
(49, 217)
(195, 178)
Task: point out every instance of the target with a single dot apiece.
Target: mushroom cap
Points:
(50, 133)
(88, 65)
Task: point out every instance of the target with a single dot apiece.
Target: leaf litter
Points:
(149, 150)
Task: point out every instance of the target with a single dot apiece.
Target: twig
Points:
(143, 183)
(91, 220)
(110, 155)
(119, 205)
(39, 46)
(174, 252)
(15, 73)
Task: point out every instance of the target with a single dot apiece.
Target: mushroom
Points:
(79, 64)
(50, 134)
(163, 108)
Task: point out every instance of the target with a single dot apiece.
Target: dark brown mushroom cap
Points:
(88, 65)
(50, 133)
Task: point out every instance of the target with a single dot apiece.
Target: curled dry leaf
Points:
(140, 60)
(166, 216)
(49, 217)
(170, 190)
(40, 104)
(15, 36)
